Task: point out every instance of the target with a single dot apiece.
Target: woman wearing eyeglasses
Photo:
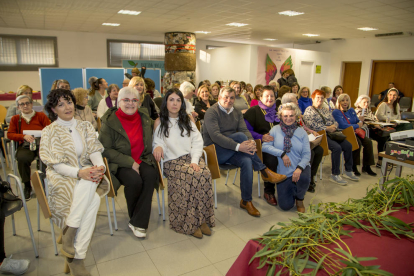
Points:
(126, 135)
(13, 110)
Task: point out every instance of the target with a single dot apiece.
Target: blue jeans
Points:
(288, 191)
(242, 160)
(336, 149)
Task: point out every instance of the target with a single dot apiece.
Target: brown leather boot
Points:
(76, 267)
(270, 199)
(300, 206)
(250, 208)
(273, 177)
(68, 238)
(198, 234)
(205, 229)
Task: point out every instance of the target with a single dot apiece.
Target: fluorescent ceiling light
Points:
(111, 24)
(291, 13)
(129, 12)
(202, 32)
(366, 29)
(270, 39)
(310, 35)
(236, 24)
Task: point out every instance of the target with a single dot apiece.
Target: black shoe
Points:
(312, 187)
(378, 165)
(27, 192)
(356, 172)
(368, 170)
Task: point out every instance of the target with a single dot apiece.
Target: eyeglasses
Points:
(27, 93)
(25, 104)
(129, 100)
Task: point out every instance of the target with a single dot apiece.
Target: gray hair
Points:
(340, 99)
(23, 97)
(360, 98)
(127, 91)
(186, 88)
(92, 80)
(227, 89)
(289, 98)
(289, 106)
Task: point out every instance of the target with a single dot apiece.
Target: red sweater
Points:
(38, 122)
(133, 127)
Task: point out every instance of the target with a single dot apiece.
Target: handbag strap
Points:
(345, 117)
(323, 119)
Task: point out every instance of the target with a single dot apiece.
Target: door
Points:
(350, 80)
(306, 74)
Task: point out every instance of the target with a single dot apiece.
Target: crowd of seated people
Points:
(136, 134)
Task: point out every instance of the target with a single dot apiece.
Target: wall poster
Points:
(271, 62)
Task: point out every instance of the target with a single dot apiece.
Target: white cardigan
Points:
(102, 107)
(175, 145)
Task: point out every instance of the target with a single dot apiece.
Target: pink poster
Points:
(271, 62)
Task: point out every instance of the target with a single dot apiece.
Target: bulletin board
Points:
(111, 75)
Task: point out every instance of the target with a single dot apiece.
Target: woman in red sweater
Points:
(28, 120)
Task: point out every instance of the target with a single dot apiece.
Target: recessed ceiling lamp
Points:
(202, 32)
(310, 35)
(129, 12)
(111, 24)
(237, 24)
(291, 13)
(366, 29)
(270, 39)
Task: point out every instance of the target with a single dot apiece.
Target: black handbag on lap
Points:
(337, 136)
(10, 203)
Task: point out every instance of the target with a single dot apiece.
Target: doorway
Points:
(350, 79)
(306, 74)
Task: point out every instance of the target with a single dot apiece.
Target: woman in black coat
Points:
(204, 101)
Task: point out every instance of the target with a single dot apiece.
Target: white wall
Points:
(364, 50)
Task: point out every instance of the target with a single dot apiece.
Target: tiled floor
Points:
(165, 252)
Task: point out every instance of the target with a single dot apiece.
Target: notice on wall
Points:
(271, 62)
(318, 69)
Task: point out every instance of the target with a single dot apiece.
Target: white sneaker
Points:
(338, 180)
(351, 175)
(138, 232)
(16, 267)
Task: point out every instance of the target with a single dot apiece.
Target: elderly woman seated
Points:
(291, 147)
(82, 111)
(346, 116)
(75, 168)
(318, 118)
(240, 102)
(27, 120)
(13, 110)
(108, 102)
(190, 196)
(376, 132)
(188, 91)
(126, 135)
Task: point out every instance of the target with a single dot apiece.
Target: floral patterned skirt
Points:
(190, 196)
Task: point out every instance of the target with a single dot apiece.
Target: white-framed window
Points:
(117, 50)
(27, 53)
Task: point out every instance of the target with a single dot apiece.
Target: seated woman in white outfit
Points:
(190, 196)
(75, 168)
(108, 102)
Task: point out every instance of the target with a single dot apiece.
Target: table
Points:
(394, 255)
(12, 96)
(386, 159)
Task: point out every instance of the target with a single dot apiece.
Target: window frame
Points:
(25, 67)
(108, 47)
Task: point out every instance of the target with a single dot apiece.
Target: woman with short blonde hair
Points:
(138, 84)
(82, 111)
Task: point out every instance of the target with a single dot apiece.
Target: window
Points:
(211, 47)
(27, 53)
(133, 50)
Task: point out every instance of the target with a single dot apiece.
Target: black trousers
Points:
(24, 159)
(138, 192)
(2, 219)
(380, 140)
(316, 158)
(271, 162)
(367, 155)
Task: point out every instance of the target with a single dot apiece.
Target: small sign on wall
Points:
(318, 69)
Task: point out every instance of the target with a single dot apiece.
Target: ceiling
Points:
(329, 18)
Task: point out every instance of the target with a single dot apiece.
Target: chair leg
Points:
(52, 230)
(13, 225)
(215, 194)
(320, 168)
(29, 224)
(38, 216)
(114, 211)
(163, 205)
(3, 166)
(258, 183)
(235, 175)
(109, 216)
(158, 201)
(227, 177)
(342, 163)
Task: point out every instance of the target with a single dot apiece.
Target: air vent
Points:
(393, 35)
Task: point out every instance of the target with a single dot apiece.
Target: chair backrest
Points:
(324, 142)
(3, 112)
(162, 185)
(40, 194)
(374, 99)
(405, 102)
(407, 115)
(259, 149)
(108, 175)
(158, 102)
(212, 161)
(350, 137)
(5, 152)
(99, 123)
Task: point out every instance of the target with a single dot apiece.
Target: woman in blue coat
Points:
(346, 116)
(304, 100)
